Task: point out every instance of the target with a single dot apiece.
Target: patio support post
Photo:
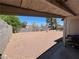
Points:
(0, 56)
(64, 31)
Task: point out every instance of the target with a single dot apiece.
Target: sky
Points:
(37, 20)
(59, 21)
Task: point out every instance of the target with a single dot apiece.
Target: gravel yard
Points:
(29, 45)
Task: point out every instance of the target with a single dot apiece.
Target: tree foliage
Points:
(12, 20)
(53, 24)
(50, 23)
(34, 25)
(42, 26)
(24, 24)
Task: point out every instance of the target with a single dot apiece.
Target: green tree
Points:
(43, 27)
(34, 25)
(24, 24)
(52, 23)
(12, 20)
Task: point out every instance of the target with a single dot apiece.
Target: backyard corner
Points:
(30, 45)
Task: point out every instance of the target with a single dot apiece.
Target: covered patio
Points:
(66, 9)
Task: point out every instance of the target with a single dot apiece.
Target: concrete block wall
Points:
(5, 34)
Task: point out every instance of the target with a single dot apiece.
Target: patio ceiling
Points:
(11, 10)
(74, 5)
(68, 5)
(35, 8)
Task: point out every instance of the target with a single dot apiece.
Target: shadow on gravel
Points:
(51, 50)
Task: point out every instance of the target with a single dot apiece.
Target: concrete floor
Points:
(60, 52)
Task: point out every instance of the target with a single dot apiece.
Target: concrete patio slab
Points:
(60, 52)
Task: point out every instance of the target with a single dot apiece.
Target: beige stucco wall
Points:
(72, 25)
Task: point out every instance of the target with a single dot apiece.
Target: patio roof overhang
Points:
(45, 8)
(12, 10)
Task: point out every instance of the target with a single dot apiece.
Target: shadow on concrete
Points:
(51, 50)
(58, 51)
